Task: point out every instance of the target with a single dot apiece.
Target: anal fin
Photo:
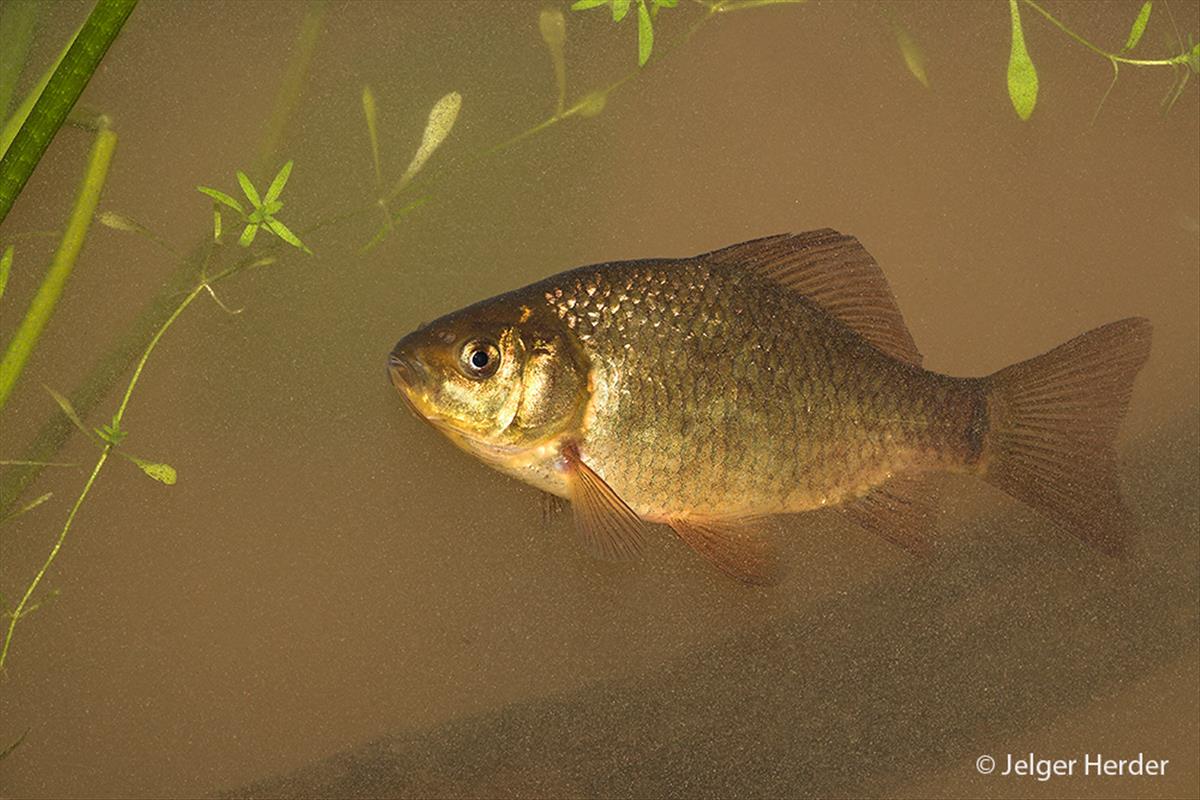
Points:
(900, 510)
(736, 547)
(608, 528)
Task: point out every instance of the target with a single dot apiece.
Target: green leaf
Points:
(437, 128)
(112, 432)
(368, 104)
(1022, 77)
(58, 97)
(248, 235)
(7, 751)
(163, 473)
(592, 104)
(1193, 58)
(276, 187)
(272, 207)
(249, 190)
(5, 268)
(619, 9)
(645, 35)
(120, 222)
(69, 410)
(216, 225)
(30, 506)
(222, 198)
(281, 230)
(914, 59)
(1139, 26)
(583, 5)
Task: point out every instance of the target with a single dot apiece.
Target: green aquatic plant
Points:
(1023, 77)
(441, 121)
(42, 307)
(58, 97)
(263, 209)
(647, 13)
(5, 268)
(645, 17)
(110, 438)
(914, 57)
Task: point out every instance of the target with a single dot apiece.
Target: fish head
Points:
(499, 378)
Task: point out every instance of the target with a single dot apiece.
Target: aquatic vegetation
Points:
(42, 307)
(5, 268)
(553, 28)
(55, 101)
(647, 12)
(437, 127)
(265, 207)
(1023, 78)
(620, 8)
(914, 58)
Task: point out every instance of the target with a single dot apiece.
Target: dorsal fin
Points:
(835, 272)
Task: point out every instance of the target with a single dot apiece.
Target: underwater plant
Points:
(264, 209)
(1023, 77)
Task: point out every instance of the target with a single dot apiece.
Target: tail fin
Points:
(1052, 424)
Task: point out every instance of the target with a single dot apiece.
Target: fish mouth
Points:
(409, 377)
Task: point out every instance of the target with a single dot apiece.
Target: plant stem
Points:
(293, 83)
(59, 96)
(44, 302)
(1137, 62)
(17, 612)
(137, 372)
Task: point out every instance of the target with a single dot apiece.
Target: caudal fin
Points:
(1052, 424)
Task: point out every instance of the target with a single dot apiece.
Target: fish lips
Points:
(410, 377)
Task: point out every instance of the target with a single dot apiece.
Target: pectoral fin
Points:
(901, 511)
(608, 528)
(736, 547)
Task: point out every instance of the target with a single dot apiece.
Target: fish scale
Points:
(828, 416)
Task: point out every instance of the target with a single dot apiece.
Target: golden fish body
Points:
(771, 377)
(714, 394)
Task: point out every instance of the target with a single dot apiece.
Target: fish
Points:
(715, 393)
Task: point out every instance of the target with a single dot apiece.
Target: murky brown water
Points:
(329, 572)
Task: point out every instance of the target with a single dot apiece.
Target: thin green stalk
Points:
(16, 613)
(293, 82)
(137, 372)
(1113, 57)
(20, 610)
(59, 96)
(44, 302)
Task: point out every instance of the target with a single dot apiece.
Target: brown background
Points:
(327, 569)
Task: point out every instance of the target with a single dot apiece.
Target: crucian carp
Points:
(771, 377)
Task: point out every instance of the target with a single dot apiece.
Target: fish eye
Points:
(479, 359)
